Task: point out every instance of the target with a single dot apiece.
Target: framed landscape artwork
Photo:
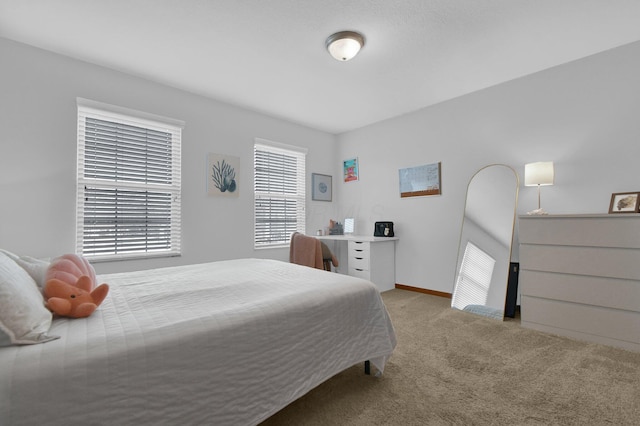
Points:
(420, 180)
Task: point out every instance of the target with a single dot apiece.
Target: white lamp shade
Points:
(540, 173)
(344, 45)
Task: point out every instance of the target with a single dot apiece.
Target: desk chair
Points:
(309, 251)
(327, 257)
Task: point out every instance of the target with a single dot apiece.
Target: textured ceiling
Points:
(269, 56)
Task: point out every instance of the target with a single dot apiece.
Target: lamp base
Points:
(537, 212)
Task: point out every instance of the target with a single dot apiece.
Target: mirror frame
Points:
(488, 312)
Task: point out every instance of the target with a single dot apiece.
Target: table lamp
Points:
(538, 174)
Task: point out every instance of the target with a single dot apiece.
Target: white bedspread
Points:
(224, 343)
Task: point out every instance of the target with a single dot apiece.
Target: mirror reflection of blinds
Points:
(474, 278)
(279, 189)
(128, 186)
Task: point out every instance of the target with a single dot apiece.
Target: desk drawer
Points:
(359, 249)
(359, 273)
(359, 262)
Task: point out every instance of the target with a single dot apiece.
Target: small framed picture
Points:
(350, 170)
(321, 187)
(624, 202)
(222, 175)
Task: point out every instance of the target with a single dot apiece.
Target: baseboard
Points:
(424, 290)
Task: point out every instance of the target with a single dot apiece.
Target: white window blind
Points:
(128, 203)
(280, 193)
(474, 278)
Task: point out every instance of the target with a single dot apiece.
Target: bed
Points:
(224, 343)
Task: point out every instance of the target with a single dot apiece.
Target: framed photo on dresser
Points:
(624, 202)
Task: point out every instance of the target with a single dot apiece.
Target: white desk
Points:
(371, 258)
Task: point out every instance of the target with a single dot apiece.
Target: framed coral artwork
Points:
(222, 175)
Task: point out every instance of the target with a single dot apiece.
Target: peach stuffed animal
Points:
(70, 287)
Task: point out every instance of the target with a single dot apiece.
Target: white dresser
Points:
(371, 258)
(580, 276)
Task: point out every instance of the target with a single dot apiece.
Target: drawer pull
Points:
(359, 270)
(359, 258)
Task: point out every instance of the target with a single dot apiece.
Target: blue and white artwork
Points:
(321, 187)
(222, 175)
(421, 180)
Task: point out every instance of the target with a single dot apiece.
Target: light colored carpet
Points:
(456, 368)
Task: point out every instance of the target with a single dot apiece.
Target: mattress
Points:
(224, 343)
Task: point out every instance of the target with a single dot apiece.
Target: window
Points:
(279, 190)
(128, 203)
(475, 275)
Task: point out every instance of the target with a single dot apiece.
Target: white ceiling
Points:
(269, 55)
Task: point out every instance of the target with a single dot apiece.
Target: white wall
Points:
(38, 92)
(583, 115)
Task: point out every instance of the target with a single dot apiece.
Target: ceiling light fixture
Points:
(344, 45)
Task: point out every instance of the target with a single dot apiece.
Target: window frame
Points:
(300, 196)
(171, 190)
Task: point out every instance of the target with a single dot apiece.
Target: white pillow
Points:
(37, 268)
(23, 317)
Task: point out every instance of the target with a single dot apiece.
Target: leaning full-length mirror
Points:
(484, 253)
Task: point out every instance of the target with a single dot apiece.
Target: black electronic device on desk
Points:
(383, 229)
